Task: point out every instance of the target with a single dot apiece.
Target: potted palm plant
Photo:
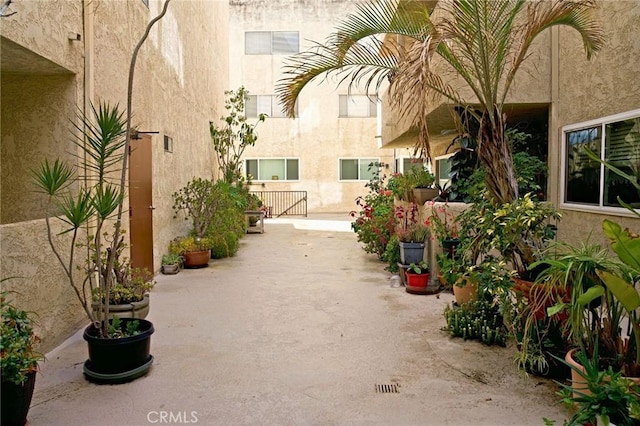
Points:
(19, 362)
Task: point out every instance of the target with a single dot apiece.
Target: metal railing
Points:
(283, 203)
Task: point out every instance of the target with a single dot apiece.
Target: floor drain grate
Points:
(393, 388)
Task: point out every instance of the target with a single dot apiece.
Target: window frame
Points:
(562, 193)
(271, 51)
(285, 159)
(373, 99)
(274, 100)
(359, 179)
(437, 169)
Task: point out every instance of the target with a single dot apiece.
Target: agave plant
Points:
(483, 42)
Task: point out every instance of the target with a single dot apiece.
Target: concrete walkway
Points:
(298, 328)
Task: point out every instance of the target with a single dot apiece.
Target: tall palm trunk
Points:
(495, 153)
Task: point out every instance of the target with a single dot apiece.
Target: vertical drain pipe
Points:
(554, 147)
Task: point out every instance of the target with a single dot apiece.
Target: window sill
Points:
(611, 211)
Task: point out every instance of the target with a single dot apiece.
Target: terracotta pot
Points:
(197, 259)
(467, 293)
(577, 381)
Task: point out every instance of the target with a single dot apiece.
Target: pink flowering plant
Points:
(442, 222)
(409, 229)
(375, 222)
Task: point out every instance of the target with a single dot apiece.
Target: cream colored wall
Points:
(181, 74)
(606, 85)
(317, 137)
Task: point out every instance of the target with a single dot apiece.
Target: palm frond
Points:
(354, 51)
(546, 14)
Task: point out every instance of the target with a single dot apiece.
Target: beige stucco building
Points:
(570, 98)
(58, 57)
(326, 149)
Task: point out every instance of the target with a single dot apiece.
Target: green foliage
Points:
(420, 177)
(234, 136)
(224, 244)
(611, 396)
(117, 329)
(181, 245)
(420, 268)
(392, 254)
(375, 222)
(519, 230)
(479, 320)
(198, 201)
(18, 356)
(85, 196)
(172, 259)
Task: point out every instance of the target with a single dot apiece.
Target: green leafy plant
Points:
(611, 396)
(392, 254)
(234, 136)
(18, 356)
(181, 245)
(479, 320)
(419, 268)
(117, 329)
(197, 200)
(420, 177)
(172, 259)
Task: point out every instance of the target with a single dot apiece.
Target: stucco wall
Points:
(606, 85)
(318, 137)
(181, 75)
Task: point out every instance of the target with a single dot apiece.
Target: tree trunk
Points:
(495, 153)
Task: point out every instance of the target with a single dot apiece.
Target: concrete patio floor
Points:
(298, 328)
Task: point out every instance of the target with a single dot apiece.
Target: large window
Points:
(265, 104)
(615, 139)
(271, 42)
(357, 168)
(358, 106)
(404, 164)
(273, 168)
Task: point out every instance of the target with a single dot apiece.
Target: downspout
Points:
(554, 136)
(89, 65)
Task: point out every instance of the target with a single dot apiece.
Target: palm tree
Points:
(484, 42)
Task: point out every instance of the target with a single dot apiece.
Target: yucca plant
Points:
(85, 196)
(89, 195)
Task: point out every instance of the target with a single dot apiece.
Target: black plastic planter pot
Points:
(16, 400)
(118, 360)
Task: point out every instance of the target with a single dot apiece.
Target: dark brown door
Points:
(141, 203)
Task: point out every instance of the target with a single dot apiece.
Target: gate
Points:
(283, 203)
